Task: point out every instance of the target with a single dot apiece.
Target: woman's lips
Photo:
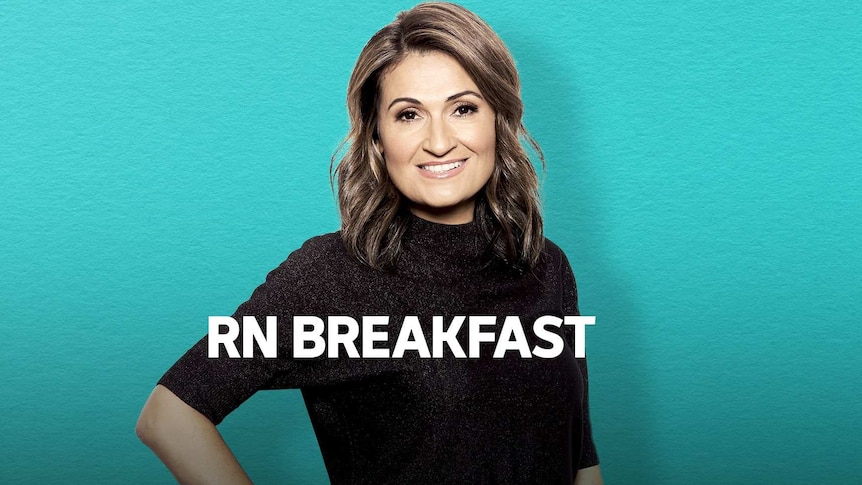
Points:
(445, 169)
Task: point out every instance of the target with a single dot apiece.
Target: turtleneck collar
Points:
(447, 246)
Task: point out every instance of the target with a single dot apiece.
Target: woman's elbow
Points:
(148, 423)
(154, 422)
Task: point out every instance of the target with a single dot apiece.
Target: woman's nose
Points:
(439, 137)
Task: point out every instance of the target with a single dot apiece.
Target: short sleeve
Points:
(588, 456)
(217, 386)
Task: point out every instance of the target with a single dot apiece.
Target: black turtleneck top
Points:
(508, 420)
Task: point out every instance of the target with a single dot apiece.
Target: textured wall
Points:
(158, 158)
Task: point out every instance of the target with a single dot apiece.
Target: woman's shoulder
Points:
(555, 260)
(317, 251)
(324, 257)
(554, 253)
(552, 248)
(323, 244)
(312, 267)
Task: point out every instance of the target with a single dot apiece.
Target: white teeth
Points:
(445, 167)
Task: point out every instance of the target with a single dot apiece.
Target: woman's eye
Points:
(407, 116)
(465, 109)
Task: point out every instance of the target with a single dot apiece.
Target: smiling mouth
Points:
(441, 167)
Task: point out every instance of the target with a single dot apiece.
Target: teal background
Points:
(157, 159)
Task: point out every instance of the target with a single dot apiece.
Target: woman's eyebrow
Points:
(407, 100)
(464, 93)
(450, 98)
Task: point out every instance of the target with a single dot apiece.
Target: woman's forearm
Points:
(589, 476)
(187, 442)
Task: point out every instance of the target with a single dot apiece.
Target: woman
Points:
(440, 219)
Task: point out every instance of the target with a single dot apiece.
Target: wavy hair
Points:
(507, 213)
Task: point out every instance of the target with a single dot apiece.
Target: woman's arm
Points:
(187, 442)
(589, 476)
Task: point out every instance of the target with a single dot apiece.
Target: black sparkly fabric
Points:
(416, 420)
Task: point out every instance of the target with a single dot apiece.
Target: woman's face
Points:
(437, 136)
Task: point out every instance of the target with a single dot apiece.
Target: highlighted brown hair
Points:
(372, 210)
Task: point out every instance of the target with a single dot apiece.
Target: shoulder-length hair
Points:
(507, 212)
